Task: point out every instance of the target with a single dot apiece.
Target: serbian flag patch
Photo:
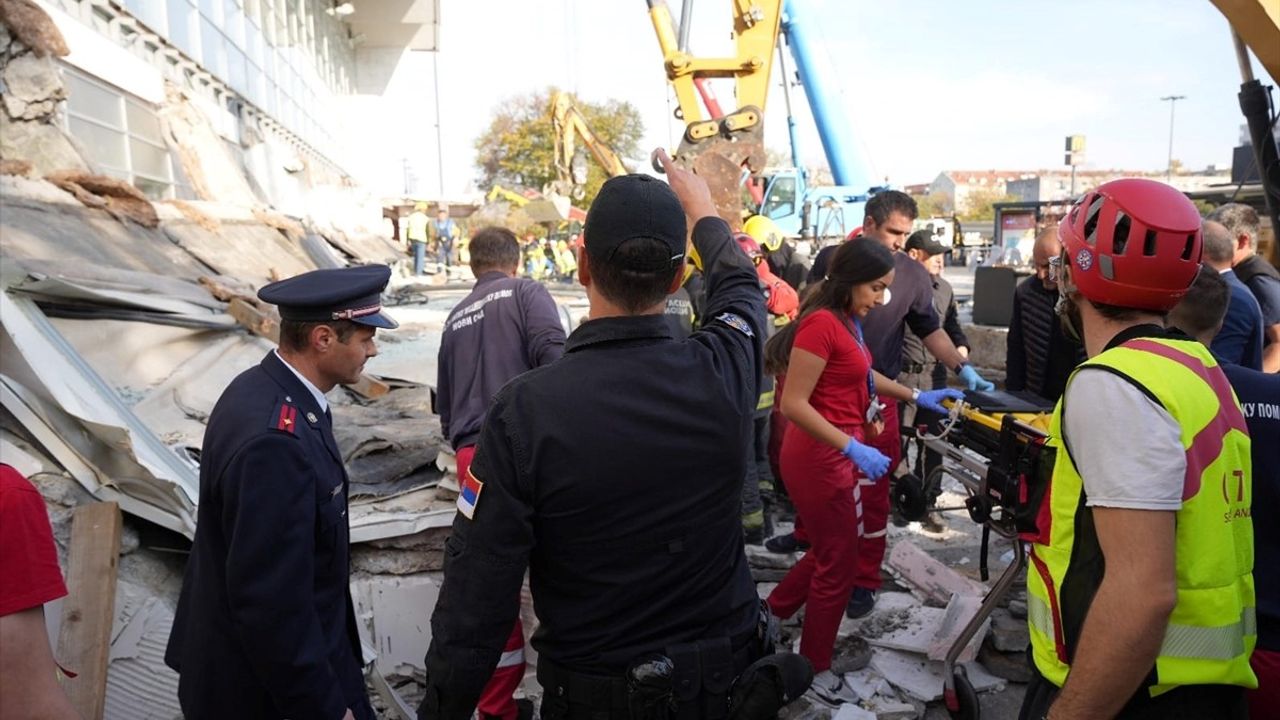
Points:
(470, 495)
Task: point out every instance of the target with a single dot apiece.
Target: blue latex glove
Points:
(932, 399)
(973, 380)
(869, 460)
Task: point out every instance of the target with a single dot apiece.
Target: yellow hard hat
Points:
(419, 206)
(764, 231)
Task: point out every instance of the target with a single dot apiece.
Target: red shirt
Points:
(29, 573)
(841, 394)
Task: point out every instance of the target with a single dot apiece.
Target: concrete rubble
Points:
(121, 328)
(919, 611)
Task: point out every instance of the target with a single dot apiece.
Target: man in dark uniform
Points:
(264, 626)
(614, 475)
(505, 326)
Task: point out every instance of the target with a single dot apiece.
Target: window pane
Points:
(233, 23)
(149, 159)
(236, 71)
(181, 17)
(214, 47)
(91, 100)
(153, 189)
(105, 147)
(151, 13)
(143, 122)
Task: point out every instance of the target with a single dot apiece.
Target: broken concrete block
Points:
(32, 87)
(849, 711)
(959, 612)
(852, 653)
(759, 557)
(889, 710)
(1009, 634)
(767, 575)
(867, 683)
(43, 144)
(388, 561)
(922, 679)
(392, 615)
(805, 707)
(929, 579)
(1018, 609)
(1010, 666)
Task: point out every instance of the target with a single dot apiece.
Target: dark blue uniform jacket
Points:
(264, 626)
(504, 327)
(615, 476)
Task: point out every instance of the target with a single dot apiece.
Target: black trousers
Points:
(1189, 702)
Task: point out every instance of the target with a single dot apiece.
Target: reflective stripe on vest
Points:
(1223, 642)
(1214, 539)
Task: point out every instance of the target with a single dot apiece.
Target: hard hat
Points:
(765, 232)
(419, 206)
(1133, 243)
(749, 246)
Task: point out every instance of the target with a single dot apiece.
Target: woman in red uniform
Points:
(830, 399)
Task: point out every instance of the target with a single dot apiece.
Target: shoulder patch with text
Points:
(736, 322)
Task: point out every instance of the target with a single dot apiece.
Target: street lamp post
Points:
(1173, 101)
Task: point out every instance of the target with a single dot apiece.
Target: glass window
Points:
(254, 43)
(233, 23)
(236, 77)
(214, 47)
(212, 9)
(182, 19)
(90, 100)
(149, 159)
(781, 199)
(105, 146)
(151, 13)
(154, 189)
(143, 122)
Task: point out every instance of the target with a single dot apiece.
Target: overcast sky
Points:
(927, 85)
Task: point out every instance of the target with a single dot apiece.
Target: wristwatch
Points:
(915, 395)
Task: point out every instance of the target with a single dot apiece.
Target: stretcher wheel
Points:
(965, 702)
(909, 498)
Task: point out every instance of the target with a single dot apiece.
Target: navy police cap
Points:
(353, 293)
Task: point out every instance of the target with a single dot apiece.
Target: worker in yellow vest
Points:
(1140, 595)
(416, 234)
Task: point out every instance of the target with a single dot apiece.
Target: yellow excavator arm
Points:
(1257, 22)
(569, 126)
(497, 192)
(720, 144)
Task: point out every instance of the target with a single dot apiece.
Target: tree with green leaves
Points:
(979, 203)
(518, 147)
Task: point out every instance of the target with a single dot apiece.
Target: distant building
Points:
(271, 102)
(959, 185)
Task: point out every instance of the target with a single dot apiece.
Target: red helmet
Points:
(748, 245)
(1133, 243)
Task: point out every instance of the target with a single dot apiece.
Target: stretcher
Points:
(994, 445)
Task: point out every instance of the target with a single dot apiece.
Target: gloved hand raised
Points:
(932, 399)
(973, 380)
(869, 460)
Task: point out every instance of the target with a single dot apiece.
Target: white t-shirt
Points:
(1126, 447)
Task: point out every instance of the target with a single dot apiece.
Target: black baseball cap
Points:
(923, 240)
(635, 206)
(353, 293)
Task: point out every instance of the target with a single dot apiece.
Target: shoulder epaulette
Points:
(284, 417)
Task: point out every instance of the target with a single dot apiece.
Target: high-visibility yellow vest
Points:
(417, 230)
(1213, 628)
